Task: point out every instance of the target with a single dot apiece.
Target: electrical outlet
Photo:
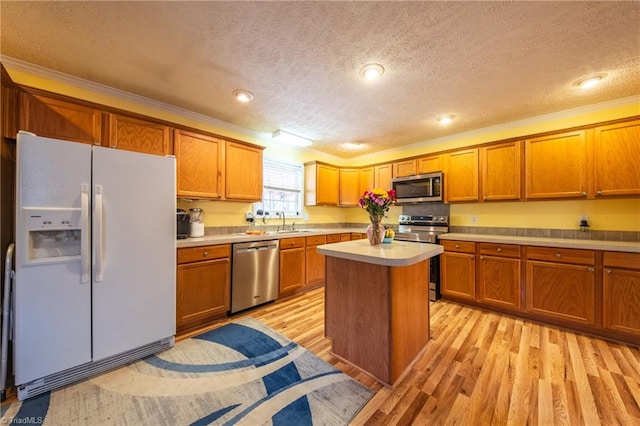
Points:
(249, 216)
(474, 219)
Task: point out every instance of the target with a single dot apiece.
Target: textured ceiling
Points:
(486, 62)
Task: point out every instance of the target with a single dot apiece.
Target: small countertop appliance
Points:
(182, 224)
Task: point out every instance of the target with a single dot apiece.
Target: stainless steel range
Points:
(425, 229)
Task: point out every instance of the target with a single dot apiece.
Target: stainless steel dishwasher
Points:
(255, 274)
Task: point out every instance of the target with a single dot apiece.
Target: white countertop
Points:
(397, 253)
(243, 238)
(624, 246)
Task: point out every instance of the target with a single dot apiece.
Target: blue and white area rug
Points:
(242, 373)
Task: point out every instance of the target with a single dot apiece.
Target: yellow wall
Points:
(609, 215)
(603, 214)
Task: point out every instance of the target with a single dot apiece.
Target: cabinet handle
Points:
(499, 250)
(557, 254)
(608, 271)
(481, 257)
(457, 245)
(484, 198)
(584, 194)
(590, 269)
(598, 192)
(205, 253)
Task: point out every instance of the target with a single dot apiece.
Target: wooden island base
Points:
(377, 316)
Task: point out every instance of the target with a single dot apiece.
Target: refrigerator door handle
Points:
(98, 235)
(85, 252)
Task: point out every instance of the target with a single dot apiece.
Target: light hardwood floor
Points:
(482, 368)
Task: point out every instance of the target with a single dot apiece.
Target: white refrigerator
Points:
(95, 260)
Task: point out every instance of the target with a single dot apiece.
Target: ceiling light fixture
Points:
(243, 95)
(372, 71)
(290, 139)
(589, 82)
(354, 145)
(445, 120)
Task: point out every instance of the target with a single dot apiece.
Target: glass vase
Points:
(375, 231)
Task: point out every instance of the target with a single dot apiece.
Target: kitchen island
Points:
(376, 304)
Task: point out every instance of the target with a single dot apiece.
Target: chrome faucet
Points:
(283, 225)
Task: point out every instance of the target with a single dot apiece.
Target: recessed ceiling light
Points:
(290, 138)
(445, 120)
(372, 71)
(589, 82)
(354, 146)
(243, 95)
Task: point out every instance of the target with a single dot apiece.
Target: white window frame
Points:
(270, 163)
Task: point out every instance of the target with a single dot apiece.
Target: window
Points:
(282, 188)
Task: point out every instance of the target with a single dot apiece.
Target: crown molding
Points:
(42, 72)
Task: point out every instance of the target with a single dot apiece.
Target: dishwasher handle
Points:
(252, 249)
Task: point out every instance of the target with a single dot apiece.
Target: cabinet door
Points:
(203, 290)
(458, 275)
(243, 172)
(132, 134)
(616, 154)
(56, 118)
(366, 180)
(561, 291)
(556, 166)
(501, 170)
(198, 165)
(404, 168)
(349, 187)
(292, 270)
(315, 274)
(429, 164)
(382, 176)
(621, 300)
(327, 189)
(499, 281)
(462, 176)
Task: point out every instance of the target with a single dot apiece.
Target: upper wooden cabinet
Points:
(243, 172)
(9, 108)
(429, 164)
(349, 185)
(501, 171)
(132, 134)
(462, 176)
(404, 168)
(321, 184)
(616, 156)
(556, 166)
(366, 180)
(56, 118)
(382, 176)
(198, 165)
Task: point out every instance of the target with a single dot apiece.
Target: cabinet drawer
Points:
(622, 260)
(562, 255)
(287, 243)
(195, 254)
(505, 250)
(333, 238)
(459, 246)
(316, 240)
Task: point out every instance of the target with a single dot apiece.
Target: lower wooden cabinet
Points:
(621, 292)
(203, 285)
(561, 291)
(292, 265)
(499, 275)
(315, 262)
(458, 270)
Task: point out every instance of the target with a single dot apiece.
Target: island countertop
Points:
(398, 253)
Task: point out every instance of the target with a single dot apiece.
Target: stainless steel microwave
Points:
(419, 188)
